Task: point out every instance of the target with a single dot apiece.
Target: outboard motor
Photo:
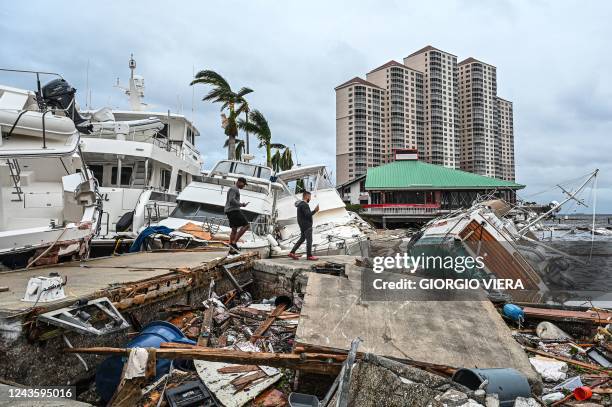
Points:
(60, 95)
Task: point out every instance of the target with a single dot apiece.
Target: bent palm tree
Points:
(234, 102)
(258, 125)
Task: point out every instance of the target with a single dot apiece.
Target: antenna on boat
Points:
(87, 92)
(297, 161)
(570, 196)
(135, 89)
(192, 95)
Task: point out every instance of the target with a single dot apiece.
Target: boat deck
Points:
(85, 278)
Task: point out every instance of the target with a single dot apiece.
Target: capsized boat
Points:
(49, 203)
(511, 251)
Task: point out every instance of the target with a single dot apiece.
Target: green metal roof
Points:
(419, 175)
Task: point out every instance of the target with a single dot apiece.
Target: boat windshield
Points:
(202, 212)
(242, 168)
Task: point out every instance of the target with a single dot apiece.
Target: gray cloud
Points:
(552, 59)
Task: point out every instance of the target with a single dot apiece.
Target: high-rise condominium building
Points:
(449, 112)
(506, 132)
(480, 138)
(360, 132)
(441, 104)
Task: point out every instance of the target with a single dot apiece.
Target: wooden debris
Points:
(280, 308)
(238, 369)
(242, 381)
(207, 325)
(595, 317)
(327, 364)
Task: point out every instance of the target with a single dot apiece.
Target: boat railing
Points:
(156, 211)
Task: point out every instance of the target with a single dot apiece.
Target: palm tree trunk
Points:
(231, 147)
(268, 155)
(231, 138)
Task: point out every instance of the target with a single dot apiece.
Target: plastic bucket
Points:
(507, 383)
(303, 400)
(582, 393)
(108, 373)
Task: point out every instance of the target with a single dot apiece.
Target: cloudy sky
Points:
(553, 59)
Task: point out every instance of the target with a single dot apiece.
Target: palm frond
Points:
(247, 126)
(277, 145)
(210, 77)
(243, 92)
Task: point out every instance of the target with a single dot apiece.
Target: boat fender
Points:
(125, 222)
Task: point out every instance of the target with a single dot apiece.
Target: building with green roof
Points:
(408, 189)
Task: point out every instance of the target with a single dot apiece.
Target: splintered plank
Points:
(280, 308)
(243, 381)
(238, 369)
(206, 328)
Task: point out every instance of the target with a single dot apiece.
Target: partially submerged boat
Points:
(50, 207)
(509, 249)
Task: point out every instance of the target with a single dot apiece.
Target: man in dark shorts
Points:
(304, 219)
(237, 221)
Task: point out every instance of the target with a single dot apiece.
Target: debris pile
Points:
(570, 348)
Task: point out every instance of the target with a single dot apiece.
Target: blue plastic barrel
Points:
(108, 373)
(507, 383)
(514, 312)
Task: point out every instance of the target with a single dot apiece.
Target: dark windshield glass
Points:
(204, 212)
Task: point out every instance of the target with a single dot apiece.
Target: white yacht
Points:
(199, 217)
(142, 159)
(335, 230)
(49, 204)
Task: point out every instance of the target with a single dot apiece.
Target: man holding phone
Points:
(237, 221)
(304, 219)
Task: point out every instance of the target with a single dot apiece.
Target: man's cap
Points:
(243, 180)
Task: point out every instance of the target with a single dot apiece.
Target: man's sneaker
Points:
(233, 248)
(294, 256)
(313, 258)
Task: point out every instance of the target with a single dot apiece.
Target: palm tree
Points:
(258, 125)
(239, 150)
(234, 102)
(282, 161)
(287, 161)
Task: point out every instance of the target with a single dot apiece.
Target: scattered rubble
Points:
(235, 346)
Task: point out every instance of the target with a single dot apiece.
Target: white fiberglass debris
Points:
(551, 370)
